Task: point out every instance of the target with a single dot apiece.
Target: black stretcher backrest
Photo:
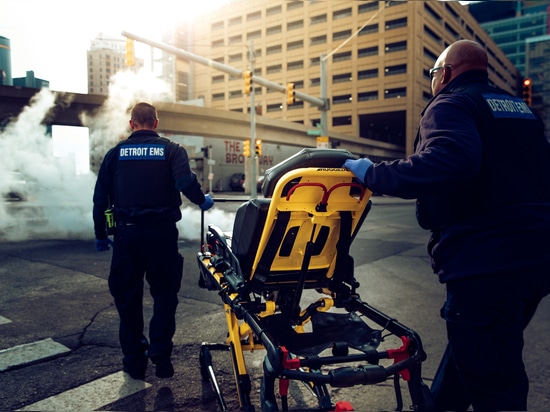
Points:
(247, 230)
(250, 219)
(329, 158)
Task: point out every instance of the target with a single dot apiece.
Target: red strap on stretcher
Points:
(289, 363)
(400, 354)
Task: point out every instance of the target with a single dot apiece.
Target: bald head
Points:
(461, 56)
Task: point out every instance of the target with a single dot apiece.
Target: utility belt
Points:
(112, 223)
(146, 223)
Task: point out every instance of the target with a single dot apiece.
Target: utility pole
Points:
(253, 158)
(325, 108)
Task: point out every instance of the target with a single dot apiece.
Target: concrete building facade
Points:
(511, 23)
(379, 54)
(105, 58)
(5, 62)
(30, 80)
(537, 68)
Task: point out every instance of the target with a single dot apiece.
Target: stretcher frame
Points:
(312, 214)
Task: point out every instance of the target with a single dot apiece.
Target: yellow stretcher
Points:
(285, 247)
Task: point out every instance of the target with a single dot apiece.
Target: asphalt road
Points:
(58, 325)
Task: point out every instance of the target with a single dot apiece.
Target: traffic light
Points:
(130, 55)
(527, 91)
(246, 148)
(247, 77)
(258, 147)
(290, 93)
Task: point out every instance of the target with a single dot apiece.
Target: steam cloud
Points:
(58, 202)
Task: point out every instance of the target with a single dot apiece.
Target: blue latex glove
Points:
(358, 167)
(102, 245)
(208, 202)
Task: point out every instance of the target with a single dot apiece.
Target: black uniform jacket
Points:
(141, 178)
(481, 177)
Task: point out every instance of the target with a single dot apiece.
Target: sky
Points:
(51, 37)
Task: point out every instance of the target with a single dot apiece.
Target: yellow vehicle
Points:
(284, 247)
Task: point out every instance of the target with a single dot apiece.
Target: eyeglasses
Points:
(432, 71)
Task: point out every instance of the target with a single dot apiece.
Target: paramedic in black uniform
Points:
(481, 175)
(141, 179)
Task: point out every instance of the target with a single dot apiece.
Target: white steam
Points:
(57, 202)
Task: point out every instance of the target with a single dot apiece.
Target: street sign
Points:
(314, 132)
(323, 142)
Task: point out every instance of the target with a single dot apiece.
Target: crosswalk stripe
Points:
(30, 352)
(91, 396)
(4, 320)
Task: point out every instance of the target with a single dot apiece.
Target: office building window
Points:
(217, 25)
(367, 74)
(341, 14)
(274, 30)
(273, 11)
(397, 23)
(235, 39)
(254, 35)
(342, 35)
(430, 33)
(299, 104)
(370, 6)
(370, 29)
(322, 18)
(395, 93)
(397, 69)
(366, 96)
(293, 5)
(274, 107)
(295, 65)
(235, 57)
(367, 51)
(318, 40)
(295, 45)
(431, 12)
(397, 46)
(218, 96)
(294, 25)
(339, 57)
(341, 78)
(235, 21)
(274, 49)
(452, 31)
(430, 54)
(341, 121)
(342, 99)
(254, 16)
(274, 69)
(452, 12)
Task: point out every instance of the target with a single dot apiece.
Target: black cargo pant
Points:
(482, 365)
(149, 251)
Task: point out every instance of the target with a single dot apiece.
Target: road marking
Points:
(91, 396)
(30, 352)
(4, 320)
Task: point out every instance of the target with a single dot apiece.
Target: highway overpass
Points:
(184, 119)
